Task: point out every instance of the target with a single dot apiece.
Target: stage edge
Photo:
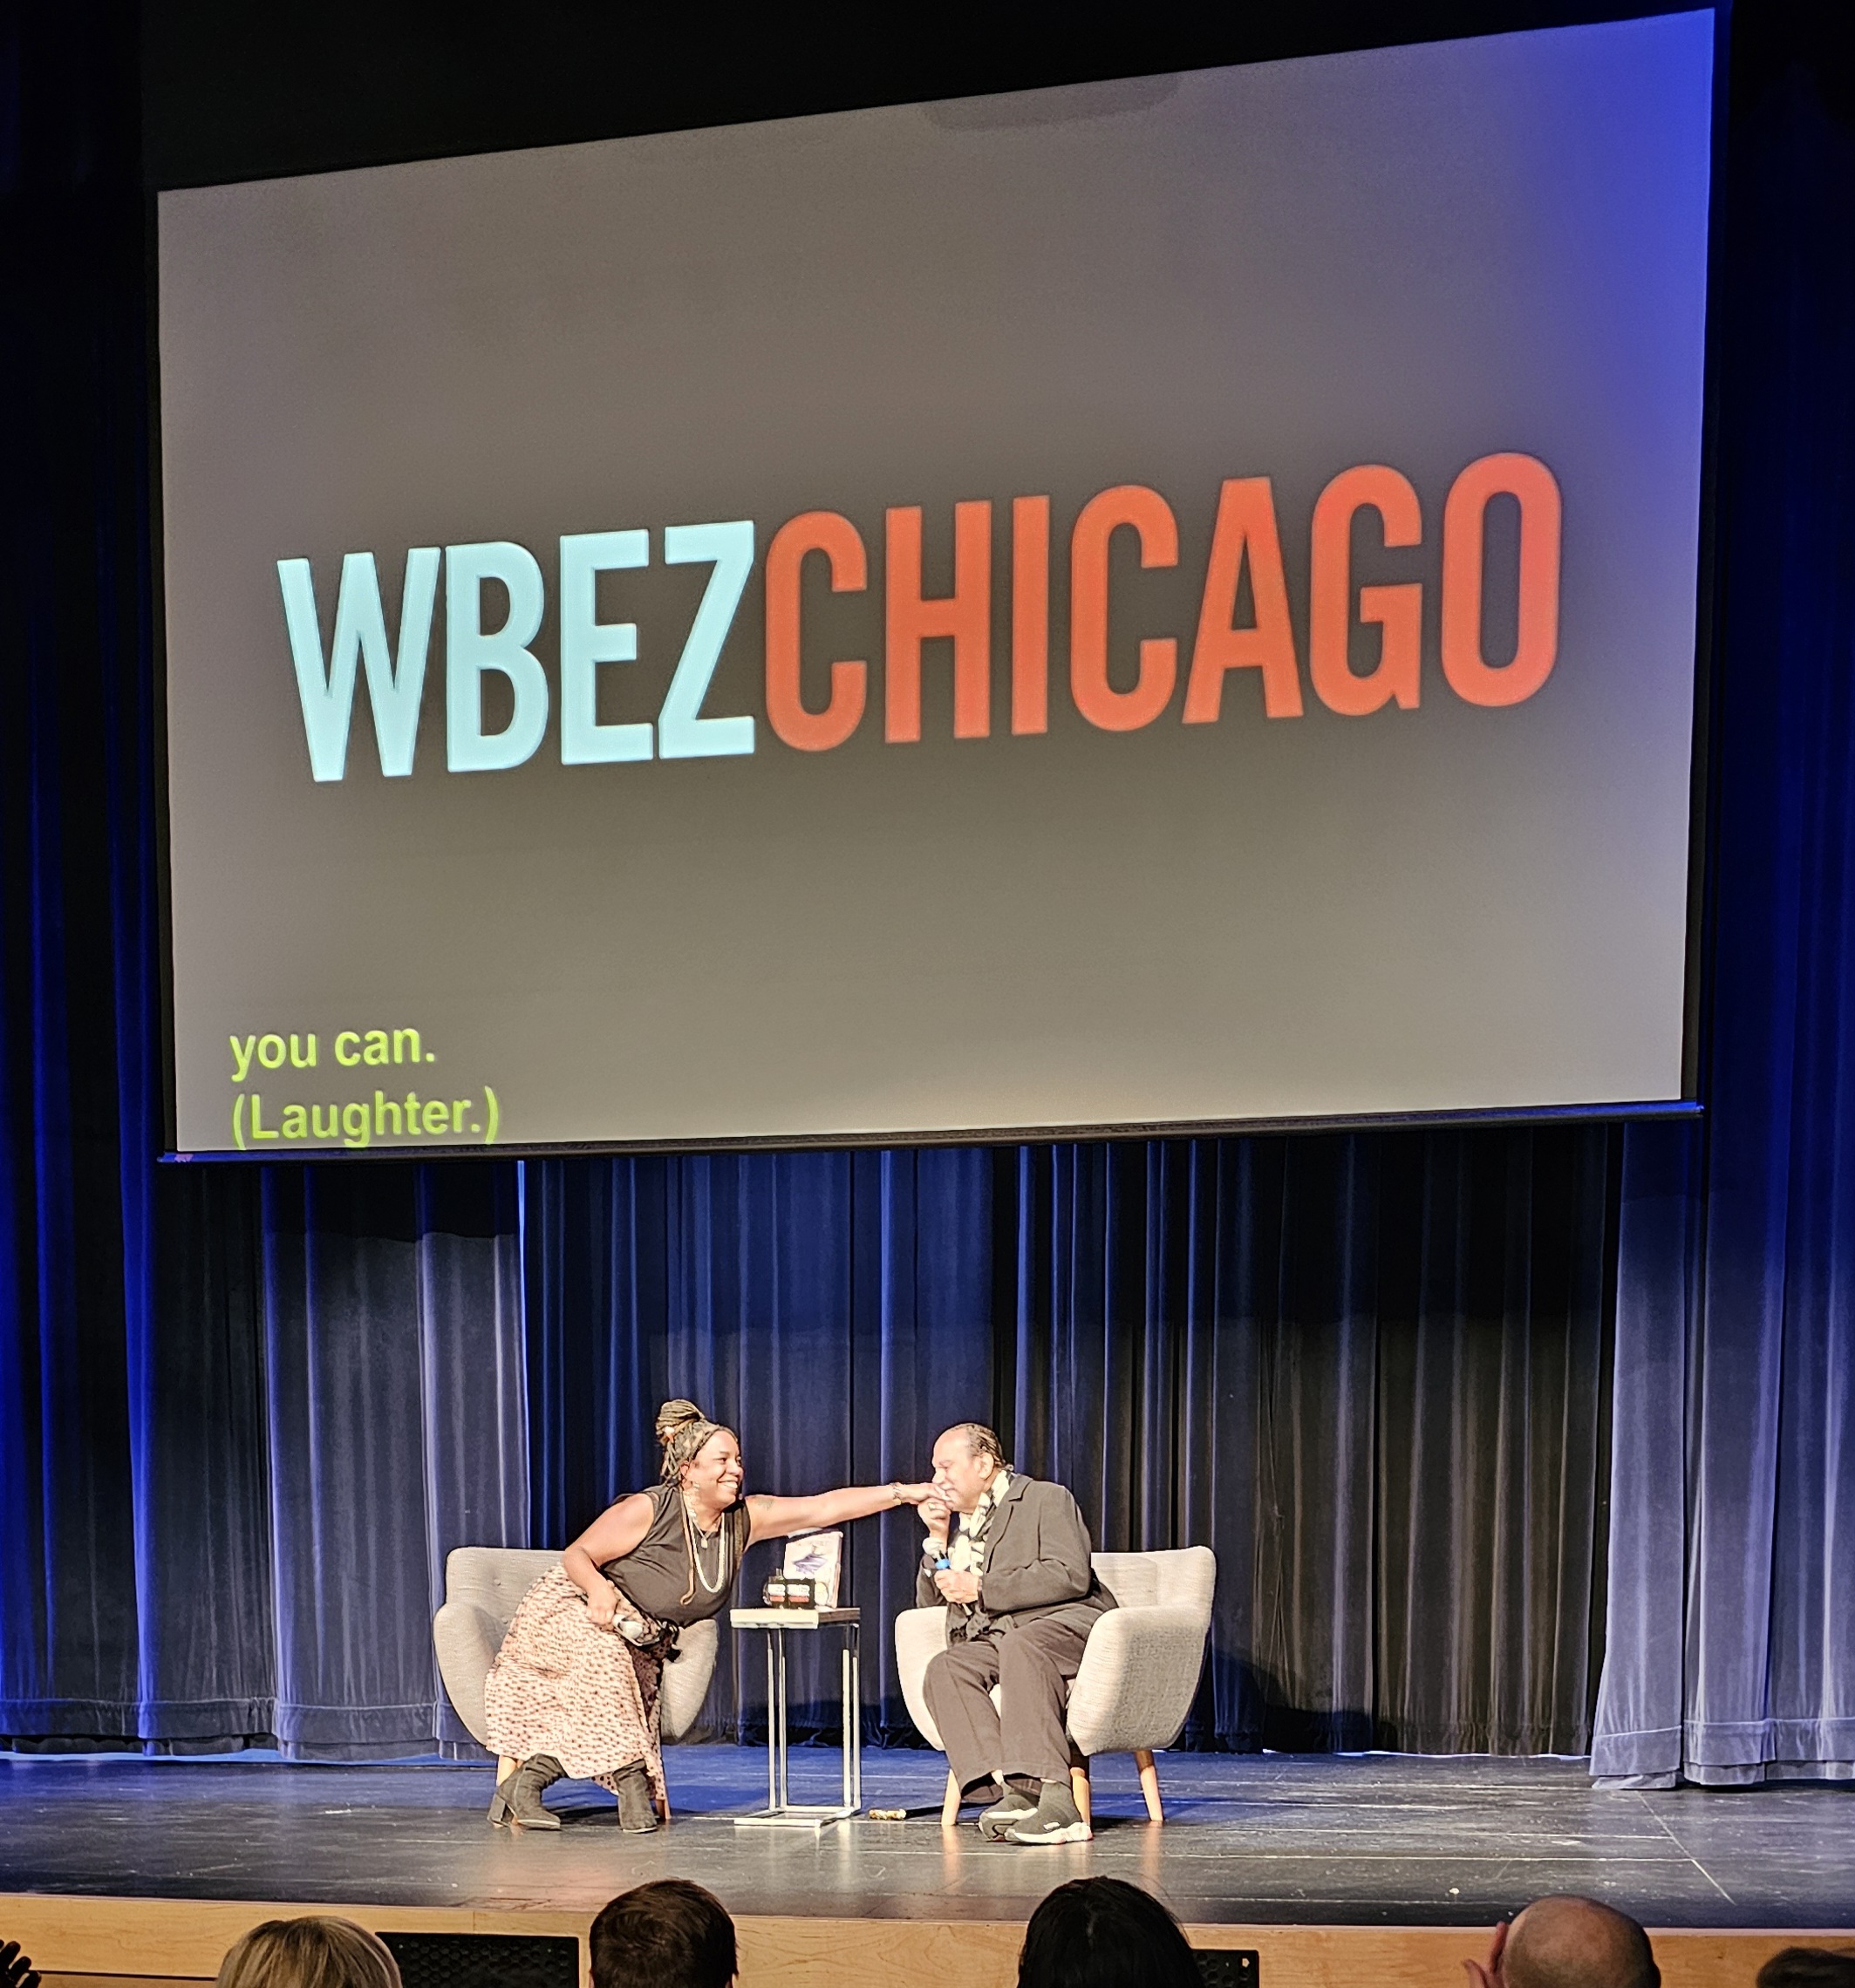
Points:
(151, 1942)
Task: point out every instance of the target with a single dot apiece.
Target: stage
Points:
(1336, 1869)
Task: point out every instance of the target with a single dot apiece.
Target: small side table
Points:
(778, 1624)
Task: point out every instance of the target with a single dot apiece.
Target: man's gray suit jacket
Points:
(1036, 1565)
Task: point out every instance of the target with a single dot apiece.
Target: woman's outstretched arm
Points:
(773, 1518)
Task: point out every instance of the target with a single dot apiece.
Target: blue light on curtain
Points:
(1731, 1653)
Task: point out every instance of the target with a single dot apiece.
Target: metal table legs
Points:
(780, 1807)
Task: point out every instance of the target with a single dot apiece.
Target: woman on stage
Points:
(574, 1689)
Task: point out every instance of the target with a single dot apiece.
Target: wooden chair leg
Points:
(1149, 1783)
(950, 1807)
(1084, 1794)
(663, 1805)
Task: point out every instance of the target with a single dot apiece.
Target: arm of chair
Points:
(1137, 1678)
(921, 1635)
(467, 1637)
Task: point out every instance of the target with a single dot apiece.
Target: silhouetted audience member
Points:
(1809, 1967)
(16, 1971)
(1099, 1932)
(1568, 1942)
(309, 1953)
(669, 1933)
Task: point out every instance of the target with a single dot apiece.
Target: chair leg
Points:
(950, 1807)
(1083, 1794)
(1149, 1782)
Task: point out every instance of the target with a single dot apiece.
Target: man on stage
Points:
(1021, 1597)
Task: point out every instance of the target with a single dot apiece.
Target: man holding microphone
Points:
(1009, 1556)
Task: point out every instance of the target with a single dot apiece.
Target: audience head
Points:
(967, 1459)
(669, 1933)
(16, 1968)
(309, 1953)
(1576, 1942)
(1809, 1967)
(1099, 1932)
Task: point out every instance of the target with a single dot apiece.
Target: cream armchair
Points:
(1139, 1671)
(483, 1588)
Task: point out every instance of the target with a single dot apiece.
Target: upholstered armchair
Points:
(483, 1588)
(1138, 1675)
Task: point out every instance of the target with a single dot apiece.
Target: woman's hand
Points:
(912, 1494)
(601, 1603)
(617, 1530)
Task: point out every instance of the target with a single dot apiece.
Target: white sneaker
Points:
(1056, 1820)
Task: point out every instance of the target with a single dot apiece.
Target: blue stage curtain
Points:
(396, 1408)
(242, 1415)
(1731, 1655)
(328, 1395)
(77, 896)
(1367, 1370)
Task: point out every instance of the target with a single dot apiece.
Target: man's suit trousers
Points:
(1033, 1666)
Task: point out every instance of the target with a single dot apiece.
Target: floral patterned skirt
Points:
(587, 1695)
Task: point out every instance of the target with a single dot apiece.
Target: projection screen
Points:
(1169, 602)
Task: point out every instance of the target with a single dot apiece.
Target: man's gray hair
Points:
(981, 1441)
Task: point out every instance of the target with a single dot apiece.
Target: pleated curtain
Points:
(1732, 1637)
(1369, 1371)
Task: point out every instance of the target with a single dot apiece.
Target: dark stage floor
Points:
(1359, 1839)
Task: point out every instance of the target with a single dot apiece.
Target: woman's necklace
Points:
(699, 1542)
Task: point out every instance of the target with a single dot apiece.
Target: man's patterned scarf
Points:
(967, 1549)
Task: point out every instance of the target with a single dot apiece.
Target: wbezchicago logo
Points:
(1244, 541)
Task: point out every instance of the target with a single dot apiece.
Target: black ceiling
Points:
(243, 89)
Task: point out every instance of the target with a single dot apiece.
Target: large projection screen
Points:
(1160, 604)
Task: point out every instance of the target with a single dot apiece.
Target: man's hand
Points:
(16, 1971)
(935, 1515)
(958, 1587)
(1488, 1974)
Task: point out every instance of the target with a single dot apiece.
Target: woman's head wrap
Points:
(682, 1429)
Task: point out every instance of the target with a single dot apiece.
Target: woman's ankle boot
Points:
(636, 1811)
(518, 1799)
